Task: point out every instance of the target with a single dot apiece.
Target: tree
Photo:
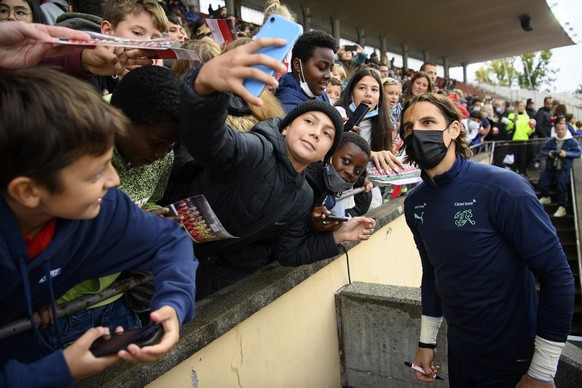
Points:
(497, 72)
(483, 75)
(536, 71)
(504, 70)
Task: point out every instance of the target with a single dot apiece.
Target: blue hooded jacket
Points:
(121, 237)
(570, 147)
(290, 93)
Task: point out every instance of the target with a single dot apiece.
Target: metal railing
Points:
(80, 303)
(498, 150)
(576, 187)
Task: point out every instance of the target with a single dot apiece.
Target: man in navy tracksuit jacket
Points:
(482, 237)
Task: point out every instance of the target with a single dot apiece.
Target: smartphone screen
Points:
(111, 344)
(352, 47)
(275, 27)
(357, 117)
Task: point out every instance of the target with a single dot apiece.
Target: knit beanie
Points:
(321, 106)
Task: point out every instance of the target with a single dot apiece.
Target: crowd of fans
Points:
(272, 168)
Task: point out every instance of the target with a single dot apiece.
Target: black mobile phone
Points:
(357, 117)
(111, 344)
(351, 47)
(331, 217)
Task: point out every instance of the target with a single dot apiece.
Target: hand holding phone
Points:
(331, 217)
(275, 27)
(111, 344)
(357, 117)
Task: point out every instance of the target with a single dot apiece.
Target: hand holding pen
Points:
(418, 369)
(424, 361)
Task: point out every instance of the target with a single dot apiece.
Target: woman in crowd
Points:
(366, 87)
(350, 60)
(24, 10)
(420, 83)
(521, 128)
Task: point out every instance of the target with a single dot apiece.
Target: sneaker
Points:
(561, 212)
(545, 200)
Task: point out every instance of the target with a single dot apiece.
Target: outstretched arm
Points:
(355, 229)
(25, 44)
(227, 72)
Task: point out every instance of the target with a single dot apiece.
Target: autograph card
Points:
(410, 174)
(166, 48)
(114, 41)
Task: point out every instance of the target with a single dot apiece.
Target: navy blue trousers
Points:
(562, 180)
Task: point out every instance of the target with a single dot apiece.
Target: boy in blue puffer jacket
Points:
(561, 151)
(62, 221)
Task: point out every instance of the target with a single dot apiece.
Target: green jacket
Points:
(520, 127)
(145, 185)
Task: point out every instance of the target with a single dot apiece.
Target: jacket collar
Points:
(19, 266)
(15, 241)
(447, 177)
(289, 87)
(568, 136)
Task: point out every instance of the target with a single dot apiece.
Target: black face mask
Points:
(334, 181)
(426, 147)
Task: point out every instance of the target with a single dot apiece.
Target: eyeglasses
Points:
(20, 13)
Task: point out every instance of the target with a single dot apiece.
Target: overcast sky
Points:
(567, 59)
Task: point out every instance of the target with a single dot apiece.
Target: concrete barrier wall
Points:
(293, 342)
(379, 327)
(277, 327)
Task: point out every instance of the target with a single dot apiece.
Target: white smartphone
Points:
(275, 27)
